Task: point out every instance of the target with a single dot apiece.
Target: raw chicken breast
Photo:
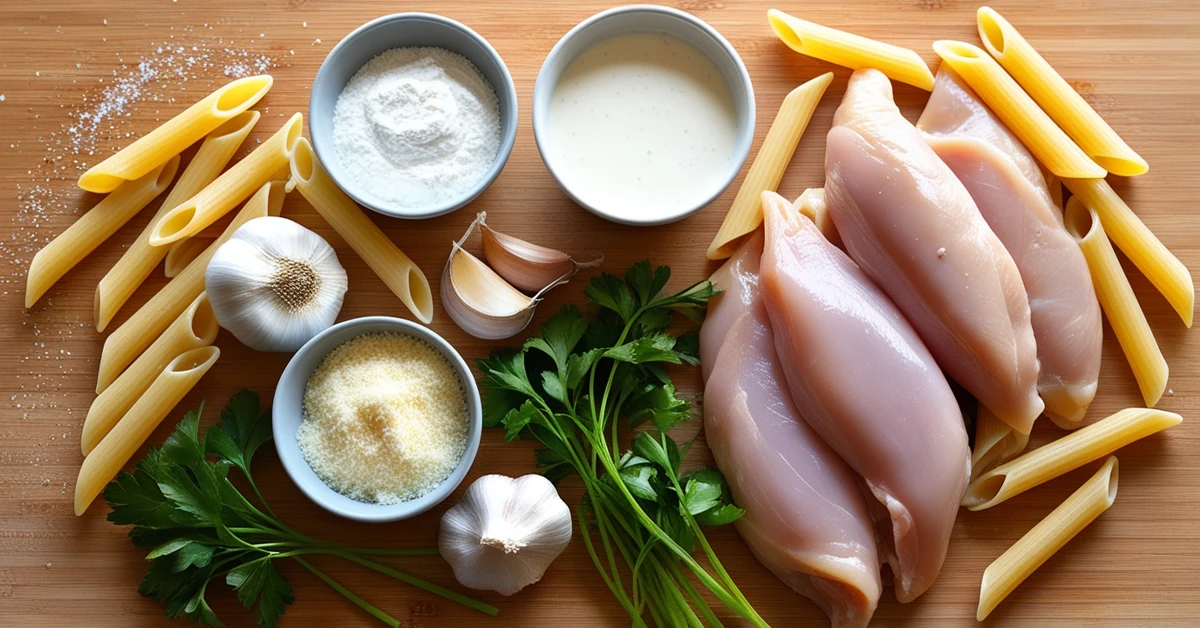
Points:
(806, 519)
(913, 228)
(1007, 186)
(738, 280)
(861, 377)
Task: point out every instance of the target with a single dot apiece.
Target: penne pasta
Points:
(140, 258)
(1018, 562)
(94, 227)
(745, 214)
(1118, 301)
(1139, 244)
(396, 270)
(196, 327)
(181, 253)
(173, 136)
(232, 187)
(129, 340)
(849, 50)
(811, 203)
(1065, 454)
(1018, 111)
(169, 387)
(1056, 97)
(996, 442)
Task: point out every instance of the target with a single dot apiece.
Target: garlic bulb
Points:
(505, 533)
(275, 284)
(528, 266)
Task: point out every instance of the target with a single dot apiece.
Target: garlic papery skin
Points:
(275, 284)
(505, 532)
(527, 266)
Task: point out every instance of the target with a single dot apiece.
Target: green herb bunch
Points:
(569, 388)
(199, 527)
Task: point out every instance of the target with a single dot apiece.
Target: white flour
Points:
(417, 126)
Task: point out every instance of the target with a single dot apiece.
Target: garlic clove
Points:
(480, 301)
(505, 532)
(530, 267)
(275, 284)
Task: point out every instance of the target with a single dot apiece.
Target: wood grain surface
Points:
(1138, 62)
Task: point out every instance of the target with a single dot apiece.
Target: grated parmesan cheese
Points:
(385, 419)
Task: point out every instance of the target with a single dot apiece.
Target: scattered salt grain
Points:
(2, 97)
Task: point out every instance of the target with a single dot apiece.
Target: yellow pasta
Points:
(140, 258)
(996, 442)
(1139, 244)
(849, 50)
(1018, 562)
(1018, 111)
(196, 327)
(1118, 301)
(1056, 97)
(232, 187)
(745, 214)
(129, 340)
(93, 228)
(181, 253)
(811, 203)
(118, 446)
(156, 147)
(1065, 454)
(396, 270)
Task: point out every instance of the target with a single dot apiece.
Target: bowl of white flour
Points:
(413, 115)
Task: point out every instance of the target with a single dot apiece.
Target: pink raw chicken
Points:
(912, 226)
(806, 519)
(1007, 186)
(863, 380)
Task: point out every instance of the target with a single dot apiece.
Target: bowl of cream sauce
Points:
(644, 114)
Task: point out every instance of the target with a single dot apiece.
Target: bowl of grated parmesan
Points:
(377, 419)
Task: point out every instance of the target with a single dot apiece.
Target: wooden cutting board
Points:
(1136, 61)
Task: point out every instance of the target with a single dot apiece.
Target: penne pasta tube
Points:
(849, 50)
(173, 136)
(181, 253)
(1018, 111)
(1065, 454)
(996, 442)
(196, 327)
(1056, 97)
(1018, 562)
(811, 203)
(1119, 303)
(140, 258)
(1139, 244)
(94, 227)
(118, 446)
(129, 340)
(745, 214)
(396, 270)
(232, 187)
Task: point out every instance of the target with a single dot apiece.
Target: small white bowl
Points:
(403, 30)
(287, 412)
(642, 18)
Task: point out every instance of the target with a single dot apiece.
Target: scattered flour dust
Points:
(385, 419)
(417, 126)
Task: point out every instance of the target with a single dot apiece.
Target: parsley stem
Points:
(611, 583)
(487, 609)
(350, 595)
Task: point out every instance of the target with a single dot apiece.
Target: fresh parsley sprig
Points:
(569, 387)
(199, 527)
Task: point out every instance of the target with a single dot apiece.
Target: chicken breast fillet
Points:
(913, 228)
(806, 519)
(861, 377)
(1004, 180)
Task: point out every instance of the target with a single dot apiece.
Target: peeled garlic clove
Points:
(527, 266)
(275, 284)
(480, 301)
(505, 533)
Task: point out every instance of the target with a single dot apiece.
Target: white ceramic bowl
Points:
(655, 19)
(287, 413)
(399, 31)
